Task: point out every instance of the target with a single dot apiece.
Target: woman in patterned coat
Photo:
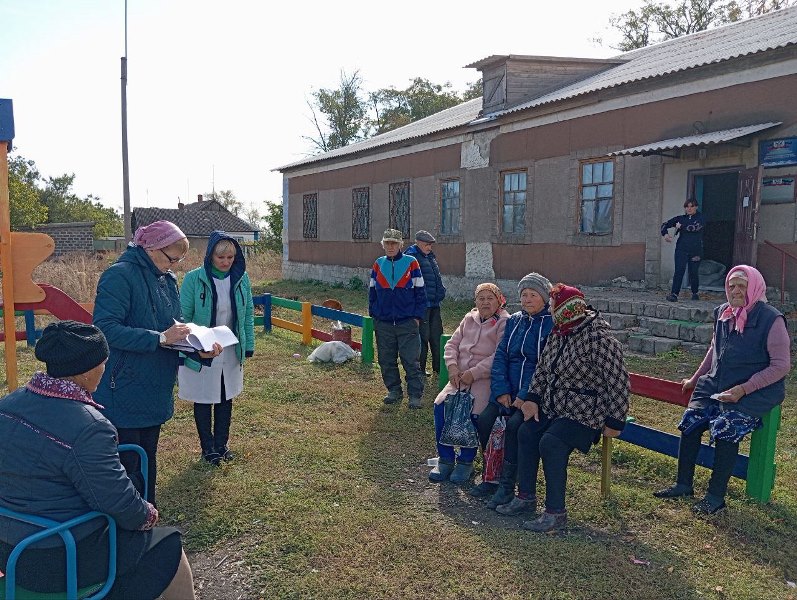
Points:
(579, 391)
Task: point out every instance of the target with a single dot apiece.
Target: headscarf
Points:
(157, 235)
(568, 308)
(756, 292)
(491, 287)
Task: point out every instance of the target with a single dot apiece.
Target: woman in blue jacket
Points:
(60, 461)
(217, 293)
(138, 309)
(515, 360)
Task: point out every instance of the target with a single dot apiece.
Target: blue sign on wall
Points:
(778, 153)
(6, 121)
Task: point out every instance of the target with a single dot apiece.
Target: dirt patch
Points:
(222, 573)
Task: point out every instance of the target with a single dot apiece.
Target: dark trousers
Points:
(147, 438)
(682, 259)
(431, 328)
(534, 444)
(513, 422)
(724, 460)
(399, 341)
(213, 423)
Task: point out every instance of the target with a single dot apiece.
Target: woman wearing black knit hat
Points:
(60, 460)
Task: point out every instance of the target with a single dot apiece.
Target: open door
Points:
(748, 200)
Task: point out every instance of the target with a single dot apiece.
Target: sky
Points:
(217, 91)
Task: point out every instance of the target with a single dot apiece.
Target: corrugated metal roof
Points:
(767, 32)
(456, 116)
(701, 139)
(777, 29)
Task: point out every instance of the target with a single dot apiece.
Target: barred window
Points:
(596, 193)
(513, 209)
(310, 216)
(449, 206)
(360, 214)
(399, 208)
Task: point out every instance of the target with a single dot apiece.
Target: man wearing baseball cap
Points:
(432, 324)
(397, 303)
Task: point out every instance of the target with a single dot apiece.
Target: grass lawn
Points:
(329, 498)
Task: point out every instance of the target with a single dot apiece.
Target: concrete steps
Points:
(652, 327)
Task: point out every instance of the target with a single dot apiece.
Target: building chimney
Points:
(180, 206)
(199, 198)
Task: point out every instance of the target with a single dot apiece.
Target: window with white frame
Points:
(449, 207)
(360, 213)
(596, 193)
(513, 208)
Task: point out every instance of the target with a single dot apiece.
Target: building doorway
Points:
(716, 194)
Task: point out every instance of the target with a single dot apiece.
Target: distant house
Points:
(198, 220)
(569, 166)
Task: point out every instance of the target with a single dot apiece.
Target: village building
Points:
(197, 220)
(569, 166)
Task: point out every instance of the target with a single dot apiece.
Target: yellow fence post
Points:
(307, 323)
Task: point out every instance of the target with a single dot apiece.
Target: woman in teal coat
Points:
(217, 293)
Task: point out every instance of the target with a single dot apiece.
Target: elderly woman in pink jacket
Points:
(469, 358)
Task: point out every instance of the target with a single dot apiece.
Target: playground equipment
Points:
(758, 469)
(305, 327)
(20, 253)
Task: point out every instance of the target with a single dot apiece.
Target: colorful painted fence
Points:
(305, 325)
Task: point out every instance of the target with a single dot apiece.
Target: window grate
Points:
(400, 207)
(310, 216)
(360, 213)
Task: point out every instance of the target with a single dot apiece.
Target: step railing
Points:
(783, 254)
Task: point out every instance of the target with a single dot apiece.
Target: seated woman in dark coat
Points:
(59, 460)
(739, 381)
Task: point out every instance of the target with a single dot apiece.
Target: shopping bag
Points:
(458, 428)
(494, 452)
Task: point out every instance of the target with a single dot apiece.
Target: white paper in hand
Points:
(203, 338)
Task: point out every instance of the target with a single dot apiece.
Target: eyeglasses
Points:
(172, 260)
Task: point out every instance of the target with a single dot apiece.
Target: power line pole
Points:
(125, 165)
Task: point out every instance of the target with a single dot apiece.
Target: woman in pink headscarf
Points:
(740, 380)
(138, 309)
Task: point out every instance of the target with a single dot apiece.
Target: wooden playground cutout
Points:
(20, 254)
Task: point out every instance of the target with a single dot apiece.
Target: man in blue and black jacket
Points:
(432, 324)
(397, 303)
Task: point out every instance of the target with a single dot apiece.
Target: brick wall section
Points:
(69, 237)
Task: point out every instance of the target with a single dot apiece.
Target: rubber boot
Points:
(442, 471)
(506, 487)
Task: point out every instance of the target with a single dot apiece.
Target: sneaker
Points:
(672, 298)
(518, 506)
(695, 297)
(708, 506)
(441, 472)
(679, 490)
(213, 457)
(393, 399)
(484, 490)
(415, 402)
(547, 522)
(462, 472)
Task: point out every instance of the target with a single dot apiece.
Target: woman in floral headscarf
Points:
(740, 379)
(578, 392)
(469, 358)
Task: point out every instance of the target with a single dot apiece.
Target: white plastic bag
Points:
(336, 352)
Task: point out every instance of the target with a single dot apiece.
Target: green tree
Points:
(227, 199)
(658, 21)
(474, 90)
(271, 236)
(343, 112)
(395, 108)
(26, 210)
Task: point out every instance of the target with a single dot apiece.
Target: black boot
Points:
(506, 487)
